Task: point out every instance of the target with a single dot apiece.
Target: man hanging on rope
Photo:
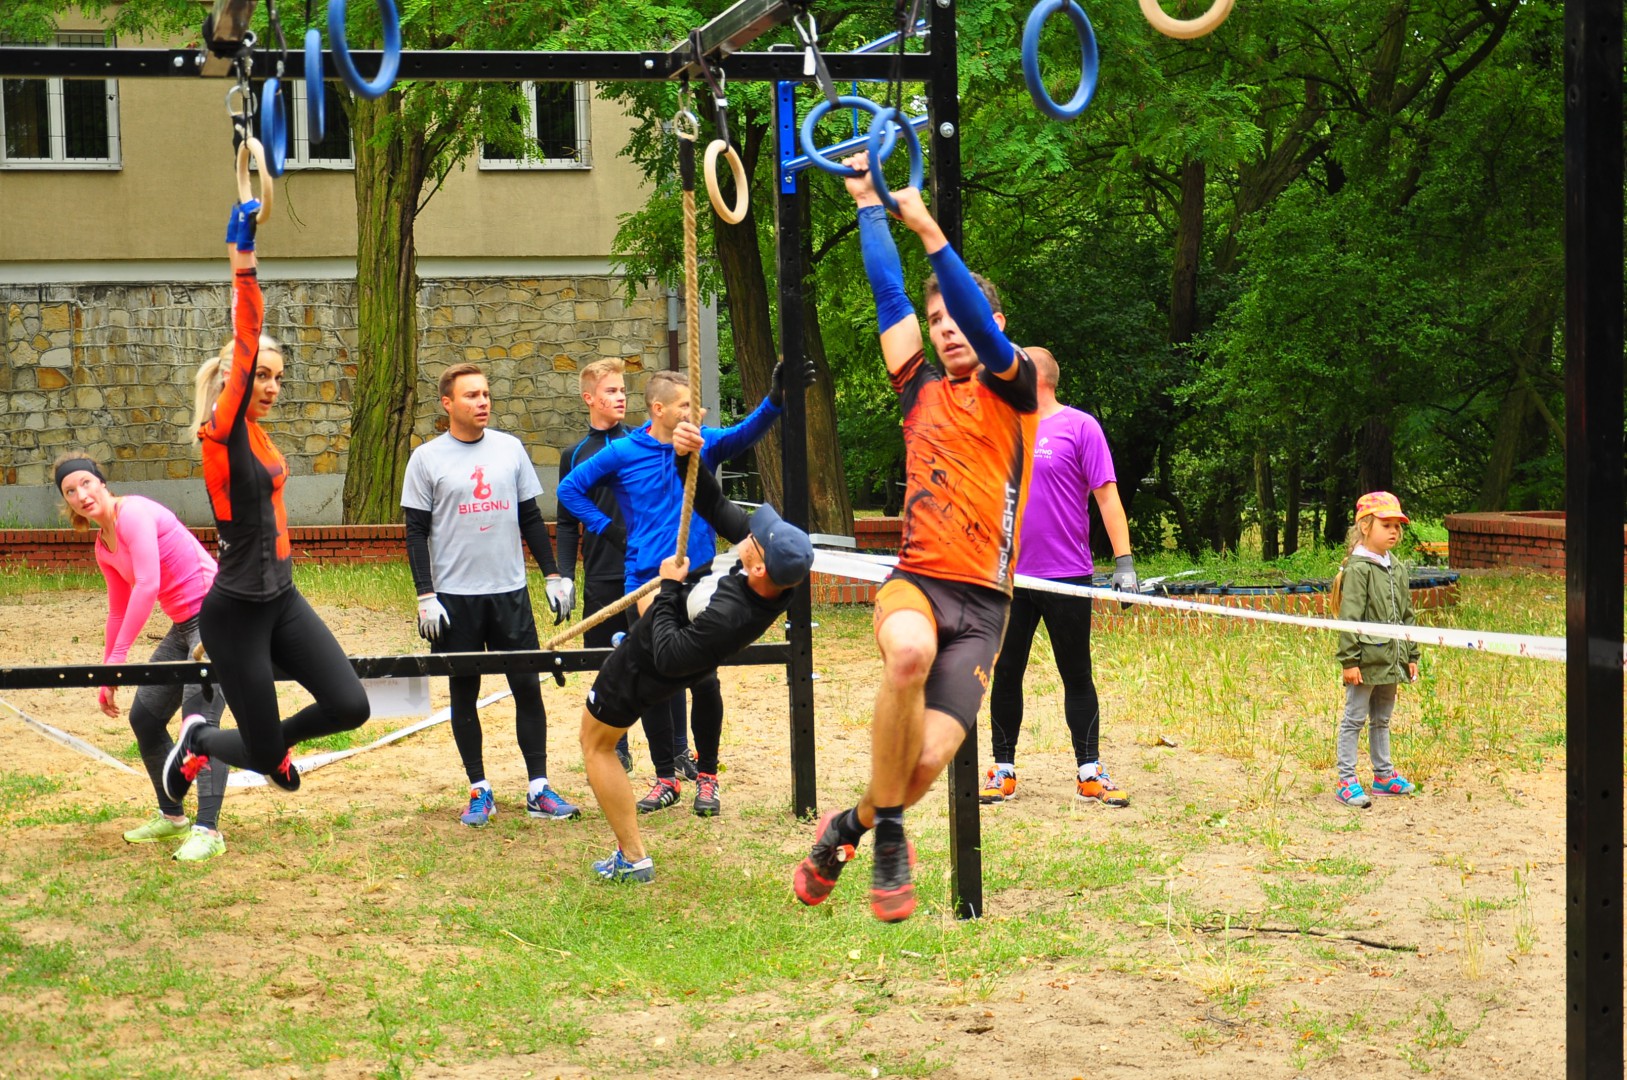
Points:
(968, 444)
(688, 628)
(470, 497)
(638, 469)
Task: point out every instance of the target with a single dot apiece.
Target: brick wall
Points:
(1534, 539)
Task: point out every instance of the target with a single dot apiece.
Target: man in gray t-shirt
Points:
(470, 497)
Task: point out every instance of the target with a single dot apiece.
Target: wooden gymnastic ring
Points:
(1186, 28)
(245, 191)
(742, 190)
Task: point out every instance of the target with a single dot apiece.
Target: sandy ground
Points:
(1143, 1012)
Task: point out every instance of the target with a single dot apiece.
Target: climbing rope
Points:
(687, 129)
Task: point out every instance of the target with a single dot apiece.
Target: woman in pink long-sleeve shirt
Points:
(149, 558)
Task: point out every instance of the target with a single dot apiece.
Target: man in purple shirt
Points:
(1070, 458)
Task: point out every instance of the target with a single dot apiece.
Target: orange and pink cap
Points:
(1380, 504)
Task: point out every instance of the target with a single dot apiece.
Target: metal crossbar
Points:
(367, 667)
(35, 62)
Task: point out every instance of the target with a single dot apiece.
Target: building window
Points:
(557, 128)
(334, 151)
(60, 123)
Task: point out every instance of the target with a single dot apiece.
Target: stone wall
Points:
(109, 367)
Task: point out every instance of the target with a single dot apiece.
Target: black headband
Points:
(78, 464)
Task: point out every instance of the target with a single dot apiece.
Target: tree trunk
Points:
(389, 182)
(1266, 498)
(1520, 420)
(1183, 299)
(1290, 521)
(830, 509)
(1376, 468)
(1337, 497)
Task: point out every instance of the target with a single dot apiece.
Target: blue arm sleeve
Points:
(725, 443)
(882, 266)
(970, 309)
(575, 485)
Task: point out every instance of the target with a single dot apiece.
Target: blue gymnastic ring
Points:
(315, 98)
(817, 113)
(341, 50)
(1087, 55)
(886, 122)
(273, 127)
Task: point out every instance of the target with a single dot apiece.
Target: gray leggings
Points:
(1370, 704)
(155, 706)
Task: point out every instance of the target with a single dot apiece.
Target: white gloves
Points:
(561, 597)
(432, 617)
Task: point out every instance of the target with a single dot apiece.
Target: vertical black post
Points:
(794, 455)
(965, 830)
(1593, 529)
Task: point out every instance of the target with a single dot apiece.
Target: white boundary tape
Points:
(877, 567)
(67, 740)
(249, 778)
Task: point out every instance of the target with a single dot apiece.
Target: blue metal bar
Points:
(789, 167)
(892, 39)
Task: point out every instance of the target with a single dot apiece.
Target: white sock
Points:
(1090, 770)
(537, 784)
(483, 785)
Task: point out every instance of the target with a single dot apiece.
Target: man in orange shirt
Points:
(968, 441)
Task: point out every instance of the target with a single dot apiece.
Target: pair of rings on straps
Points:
(1089, 59)
(686, 126)
(251, 147)
(885, 126)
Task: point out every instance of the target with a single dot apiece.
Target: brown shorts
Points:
(970, 621)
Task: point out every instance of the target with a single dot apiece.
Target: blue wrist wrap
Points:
(970, 309)
(882, 266)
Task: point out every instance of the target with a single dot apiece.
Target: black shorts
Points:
(970, 621)
(612, 699)
(497, 622)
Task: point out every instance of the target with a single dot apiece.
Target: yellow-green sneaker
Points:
(201, 846)
(159, 828)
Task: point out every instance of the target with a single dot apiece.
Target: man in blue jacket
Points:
(640, 471)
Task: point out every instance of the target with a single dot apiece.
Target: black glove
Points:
(776, 381)
(615, 534)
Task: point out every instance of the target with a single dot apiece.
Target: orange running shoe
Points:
(892, 888)
(1101, 788)
(999, 785)
(816, 876)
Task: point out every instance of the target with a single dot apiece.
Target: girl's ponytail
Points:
(1355, 536)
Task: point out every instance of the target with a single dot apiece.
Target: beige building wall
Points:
(169, 199)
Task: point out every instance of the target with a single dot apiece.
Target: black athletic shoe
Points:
(182, 766)
(686, 766)
(892, 888)
(286, 775)
(706, 800)
(663, 794)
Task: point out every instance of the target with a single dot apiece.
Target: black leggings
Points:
(248, 641)
(503, 622)
(1067, 620)
(156, 705)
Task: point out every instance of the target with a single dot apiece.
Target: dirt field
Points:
(1266, 931)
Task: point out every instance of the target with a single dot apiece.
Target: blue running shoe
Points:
(618, 868)
(1351, 794)
(1394, 784)
(481, 807)
(547, 804)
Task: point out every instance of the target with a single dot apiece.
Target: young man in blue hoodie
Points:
(639, 470)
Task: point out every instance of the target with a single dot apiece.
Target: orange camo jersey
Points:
(243, 470)
(968, 452)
